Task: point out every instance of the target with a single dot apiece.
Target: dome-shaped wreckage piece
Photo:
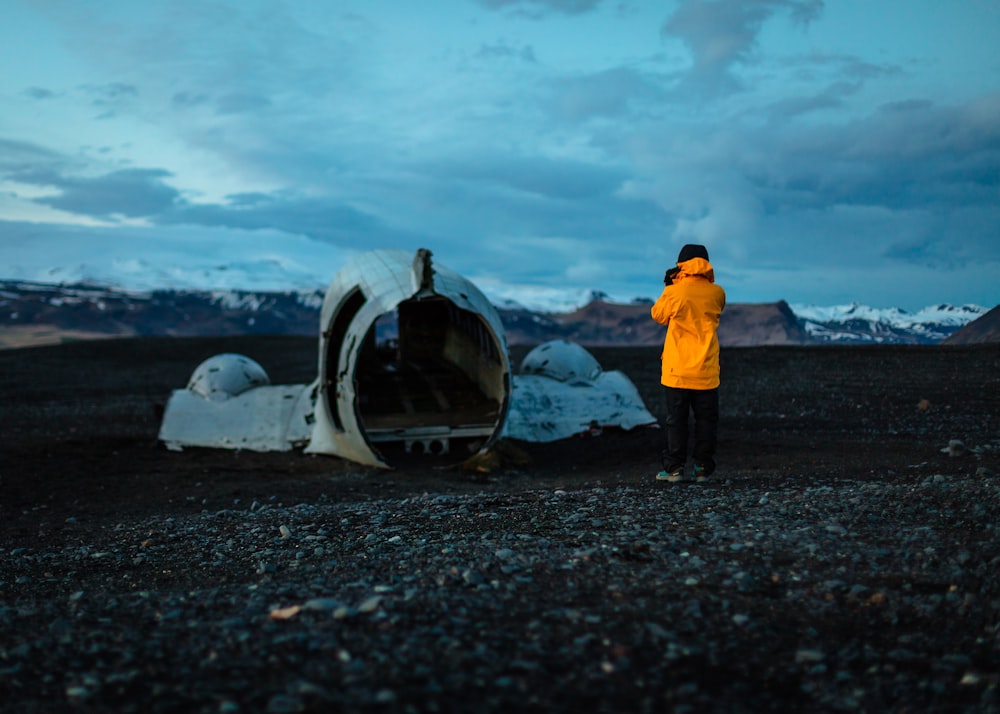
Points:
(227, 375)
(229, 403)
(562, 361)
(562, 391)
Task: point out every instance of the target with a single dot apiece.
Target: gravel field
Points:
(845, 559)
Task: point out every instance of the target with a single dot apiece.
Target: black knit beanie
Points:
(692, 250)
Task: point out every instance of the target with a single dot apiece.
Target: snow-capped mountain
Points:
(256, 263)
(37, 313)
(271, 274)
(857, 323)
(185, 259)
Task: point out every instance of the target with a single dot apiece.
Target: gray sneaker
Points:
(700, 474)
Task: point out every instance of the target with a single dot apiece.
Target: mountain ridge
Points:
(985, 328)
(43, 313)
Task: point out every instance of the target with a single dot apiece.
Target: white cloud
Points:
(721, 34)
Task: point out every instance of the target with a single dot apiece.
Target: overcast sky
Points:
(824, 151)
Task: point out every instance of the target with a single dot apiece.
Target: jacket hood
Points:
(697, 266)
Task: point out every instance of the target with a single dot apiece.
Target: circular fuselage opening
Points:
(431, 381)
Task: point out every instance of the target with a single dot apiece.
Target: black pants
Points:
(704, 404)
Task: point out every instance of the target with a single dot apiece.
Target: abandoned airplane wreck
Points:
(412, 359)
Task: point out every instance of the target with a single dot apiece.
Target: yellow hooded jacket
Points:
(691, 308)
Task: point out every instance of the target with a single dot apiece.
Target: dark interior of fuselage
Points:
(429, 364)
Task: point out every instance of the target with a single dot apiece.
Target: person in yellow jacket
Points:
(690, 306)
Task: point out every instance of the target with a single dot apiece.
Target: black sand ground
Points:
(840, 562)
